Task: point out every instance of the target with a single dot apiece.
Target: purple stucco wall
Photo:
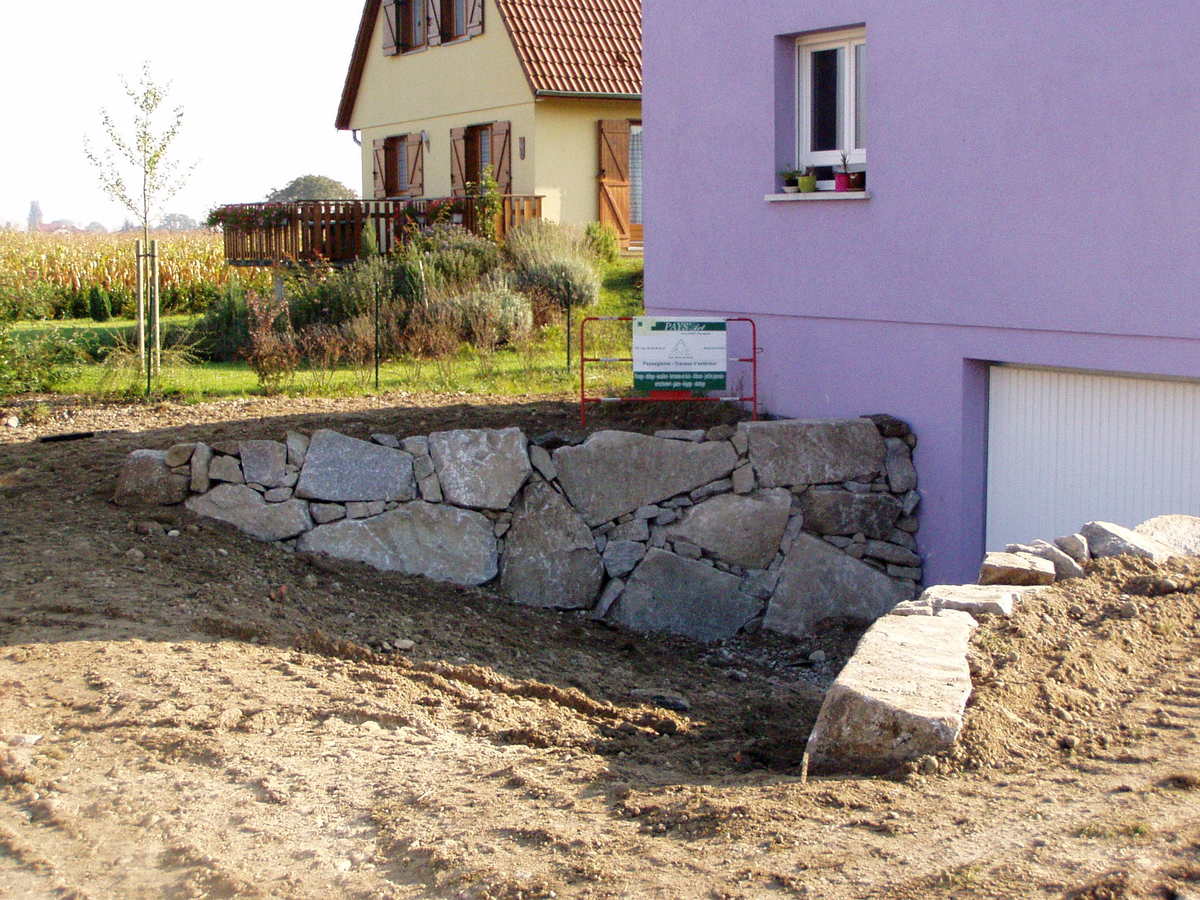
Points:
(1034, 170)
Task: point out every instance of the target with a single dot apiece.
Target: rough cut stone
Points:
(669, 594)
(608, 597)
(1016, 568)
(743, 479)
(550, 557)
(901, 473)
(539, 457)
(687, 550)
(480, 468)
(339, 468)
(817, 581)
(743, 530)
(226, 468)
(1064, 566)
(247, 511)
(358, 509)
(418, 445)
(440, 542)
(814, 451)
(228, 448)
(1107, 539)
(892, 554)
(179, 454)
(263, 462)
(431, 488)
(1177, 531)
(720, 433)
(621, 557)
(844, 512)
(201, 459)
(636, 530)
(721, 486)
(674, 434)
(976, 599)
(1075, 546)
(615, 472)
(297, 447)
(147, 480)
(386, 440)
(901, 696)
(324, 513)
(278, 495)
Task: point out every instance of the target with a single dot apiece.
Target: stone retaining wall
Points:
(696, 533)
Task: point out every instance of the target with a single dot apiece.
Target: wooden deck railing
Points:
(331, 231)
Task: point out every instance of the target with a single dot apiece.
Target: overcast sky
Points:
(258, 81)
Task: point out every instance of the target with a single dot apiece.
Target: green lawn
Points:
(538, 369)
(89, 327)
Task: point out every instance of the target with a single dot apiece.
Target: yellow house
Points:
(546, 92)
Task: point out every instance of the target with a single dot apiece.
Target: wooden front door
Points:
(614, 177)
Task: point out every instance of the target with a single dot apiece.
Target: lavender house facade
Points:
(1019, 277)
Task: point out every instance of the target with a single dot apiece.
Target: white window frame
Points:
(805, 47)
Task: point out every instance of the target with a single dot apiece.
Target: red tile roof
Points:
(566, 47)
(578, 46)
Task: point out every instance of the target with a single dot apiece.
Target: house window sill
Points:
(817, 195)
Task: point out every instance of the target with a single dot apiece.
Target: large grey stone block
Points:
(901, 473)
(818, 581)
(1016, 568)
(263, 462)
(743, 530)
(147, 480)
(1177, 531)
(814, 451)
(480, 468)
(1064, 565)
(667, 593)
(440, 542)
(844, 512)
(339, 469)
(902, 695)
(616, 472)
(201, 459)
(621, 557)
(977, 599)
(550, 557)
(245, 509)
(1107, 539)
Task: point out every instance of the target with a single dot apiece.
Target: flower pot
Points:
(858, 181)
(841, 181)
(806, 184)
(790, 188)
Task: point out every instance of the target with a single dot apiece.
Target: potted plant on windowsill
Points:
(803, 180)
(846, 180)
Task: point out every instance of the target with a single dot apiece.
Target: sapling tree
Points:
(136, 168)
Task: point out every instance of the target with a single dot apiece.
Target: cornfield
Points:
(41, 273)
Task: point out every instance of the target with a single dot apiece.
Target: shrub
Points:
(272, 353)
(457, 255)
(98, 304)
(553, 262)
(602, 240)
(493, 313)
(79, 305)
(224, 330)
(38, 363)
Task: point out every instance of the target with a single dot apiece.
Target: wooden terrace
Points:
(331, 231)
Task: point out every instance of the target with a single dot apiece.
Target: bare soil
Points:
(204, 716)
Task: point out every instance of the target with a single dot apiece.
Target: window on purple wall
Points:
(831, 106)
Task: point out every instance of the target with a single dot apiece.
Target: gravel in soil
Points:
(202, 716)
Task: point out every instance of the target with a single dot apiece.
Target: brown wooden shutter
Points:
(433, 22)
(391, 27)
(416, 166)
(613, 177)
(458, 162)
(502, 155)
(474, 18)
(379, 157)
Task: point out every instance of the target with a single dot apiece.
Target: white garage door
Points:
(1067, 447)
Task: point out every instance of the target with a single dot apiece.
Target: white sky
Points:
(259, 83)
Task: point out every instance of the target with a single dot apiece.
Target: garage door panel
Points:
(1068, 447)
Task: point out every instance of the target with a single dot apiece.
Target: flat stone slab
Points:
(818, 581)
(246, 510)
(147, 480)
(1178, 531)
(550, 557)
(668, 593)
(814, 451)
(844, 513)
(977, 599)
(1016, 568)
(901, 696)
(339, 469)
(741, 529)
(440, 542)
(1107, 539)
(1064, 565)
(480, 468)
(615, 472)
(263, 462)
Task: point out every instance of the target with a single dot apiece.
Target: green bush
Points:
(495, 312)
(457, 255)
(224, 330)
(602, 240)
(38, 363)
(98, 304)
(554, 262)
(79, 305)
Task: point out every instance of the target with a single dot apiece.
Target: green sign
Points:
(679, 354)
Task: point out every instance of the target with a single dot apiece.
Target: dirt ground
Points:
(204, 716)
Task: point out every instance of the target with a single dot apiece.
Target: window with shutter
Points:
(458, 162)
(379, 168)
(454, 19)
(416, 166)
(433, 22)
(475, 18)
(412, 24)
(501, 155)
